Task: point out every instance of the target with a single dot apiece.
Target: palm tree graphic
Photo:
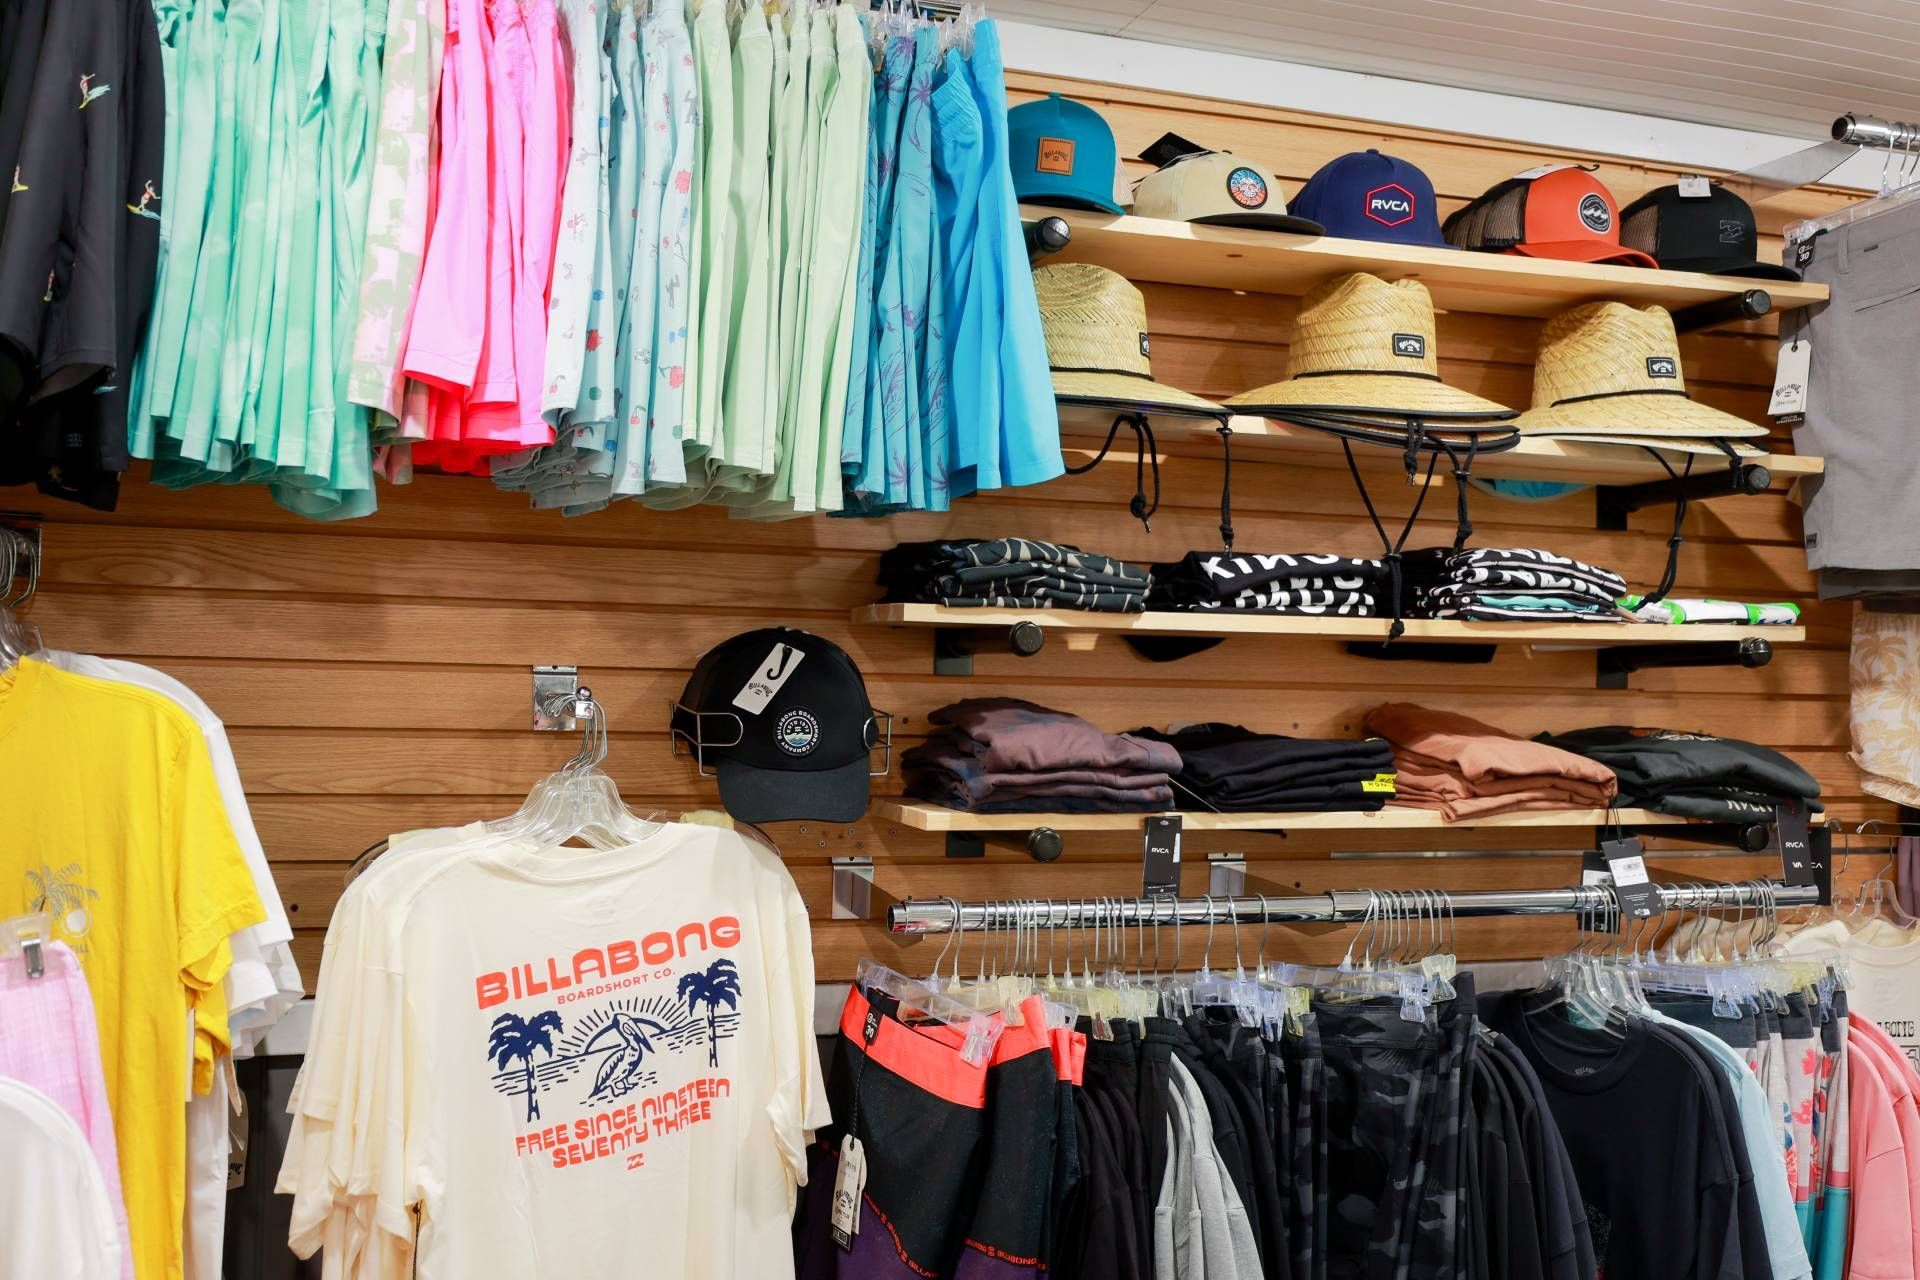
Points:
(718, 985)
(516, 1037)
(60, 894)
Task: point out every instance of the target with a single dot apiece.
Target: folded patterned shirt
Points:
(1307, 584)
(1011, 573)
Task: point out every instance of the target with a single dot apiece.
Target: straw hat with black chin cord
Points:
(1095, 323)
(1361, 344)
(1609, 373)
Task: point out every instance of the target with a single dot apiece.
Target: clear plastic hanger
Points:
(578, 801)
(18, 637)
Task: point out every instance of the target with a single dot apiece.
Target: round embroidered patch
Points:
(1594, 212)
(798, 733)
(1248, 188)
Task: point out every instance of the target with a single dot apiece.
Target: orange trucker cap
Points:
(1558, 211)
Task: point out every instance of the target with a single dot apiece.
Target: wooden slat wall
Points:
(374, 674)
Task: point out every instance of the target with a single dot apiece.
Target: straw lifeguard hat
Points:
(1095, 323)
(1361, 344)
(1610, 373)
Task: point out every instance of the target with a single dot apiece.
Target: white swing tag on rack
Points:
(1790, 373)
(848, 1186)
(1694, 187)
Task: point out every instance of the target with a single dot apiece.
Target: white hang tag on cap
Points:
(773, 672)
(848, 1186)
(1541, 171)
(1694, 187)
(1791, 372)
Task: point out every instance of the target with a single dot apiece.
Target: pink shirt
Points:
(528, 114)
(449, 315)
(1882, 1236)
(1903, 1089)
(52, 1044)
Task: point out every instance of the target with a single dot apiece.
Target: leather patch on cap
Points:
(1056, 156)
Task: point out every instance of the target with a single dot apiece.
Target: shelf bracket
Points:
(1613, 665)
(1747, 837)
(1464, 653)
(1614, 503)
(954, 647)
(1750, 304)
(1043, 844)
(1046, 236)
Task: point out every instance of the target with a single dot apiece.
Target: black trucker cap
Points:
(1714, 233)
(782, 717)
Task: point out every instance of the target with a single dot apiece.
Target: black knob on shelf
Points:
(1026, 639)
(1044, 844)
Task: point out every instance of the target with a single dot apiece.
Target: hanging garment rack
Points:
(923, 916)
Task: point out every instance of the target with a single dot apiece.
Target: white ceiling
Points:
(1778, 66)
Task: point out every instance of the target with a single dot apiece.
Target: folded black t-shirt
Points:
(1694, 775)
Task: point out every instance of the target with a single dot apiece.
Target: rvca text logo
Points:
(1662, 367)
(1391, 205)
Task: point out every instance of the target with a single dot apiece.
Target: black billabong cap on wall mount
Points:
(781, 718)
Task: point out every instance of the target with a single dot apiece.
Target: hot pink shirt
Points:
(529, 114)
(449, 315)
(52, 1044)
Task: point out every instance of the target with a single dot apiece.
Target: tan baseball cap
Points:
(1220, 189)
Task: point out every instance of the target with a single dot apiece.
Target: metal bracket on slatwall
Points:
(1226, 875)
(1613, 665)
(1613, 503)
(553, 690)
(853, 888)
(954, 647)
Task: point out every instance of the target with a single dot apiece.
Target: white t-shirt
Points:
(56, 1222)
(1883, 964)
(652, 1004)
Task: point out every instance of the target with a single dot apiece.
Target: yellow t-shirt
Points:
(115, 828)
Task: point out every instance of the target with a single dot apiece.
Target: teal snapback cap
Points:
(1062, 153)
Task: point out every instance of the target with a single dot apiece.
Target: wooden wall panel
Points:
(374, 673)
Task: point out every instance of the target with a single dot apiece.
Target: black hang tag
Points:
(1160, 871)
(1793, 823)
(1171, 147)
(1803, 253)
(1640, 898)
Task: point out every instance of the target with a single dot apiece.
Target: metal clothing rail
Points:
(923, 915)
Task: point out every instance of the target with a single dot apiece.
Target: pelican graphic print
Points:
(643, 1016)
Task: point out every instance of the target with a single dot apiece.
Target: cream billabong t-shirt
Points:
(607, 1063)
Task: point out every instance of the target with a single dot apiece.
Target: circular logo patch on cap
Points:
(1595, 213)
(798, 733)
(1248, 188)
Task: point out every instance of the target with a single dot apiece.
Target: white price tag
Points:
(1592, 877)
(1695, 188)
(848, 1186)
(1791, 371)
(774, 671)
(1629, 870)
(1542, 170)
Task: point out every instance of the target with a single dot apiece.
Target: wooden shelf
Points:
(1565, 634)
(1276, 262)
(1567, 461)
(933, 817)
